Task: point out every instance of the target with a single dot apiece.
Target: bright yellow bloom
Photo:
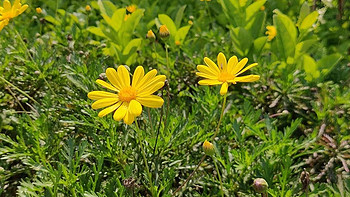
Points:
(38, 10)
(3, 23)
(131, 8)
(271, 32)
(127, 102)
(9, 12)
(226, 73)
(164, 31)
(127, 16)
(88, 8)
(208, 148)
(150, 35)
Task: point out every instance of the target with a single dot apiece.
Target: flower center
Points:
(224, 76)
(127, 94)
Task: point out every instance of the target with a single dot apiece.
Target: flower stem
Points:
(217, 170)
(167, 60)
(213, 138)
(144, 158)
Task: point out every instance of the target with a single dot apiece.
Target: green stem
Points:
(19, 90)
(217, 170)
(167, 60)
(216, 132)
(220, 119)
(144, 158)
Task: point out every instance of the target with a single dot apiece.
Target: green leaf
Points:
(310, 68)
(242, 40)
(106, 7)
(304, 11)
(182, 32)
(259, 43)
(179, 16)
(252, 9)
(256, 25)
(302, 47)
(309, 20)
(286, 34)
(327, 63)
(133, 43)
(52, 20)
(97, 31)
(118, 18)
(166, 20)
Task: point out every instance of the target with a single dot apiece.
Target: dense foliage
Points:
(291, 127)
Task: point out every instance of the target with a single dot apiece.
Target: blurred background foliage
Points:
(294, 119)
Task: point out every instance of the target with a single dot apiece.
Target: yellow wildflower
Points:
(38, 10)
(271, 32)
(8, 12)
(226, 73)
(262, 8)
(88, 8)
(127, 102)
(190, 22)
(131, 8)
(163, 31)
(150, 35)
(177, 43)
(208, 148)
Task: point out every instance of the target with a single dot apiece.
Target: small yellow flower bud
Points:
(150, 35)
(164, 32)
(190, 22)
(131, 8)
(208, 148)
(38, 10)
(260, 185)
(271, 32)
(262, 8)
(88, 8)
(177, 43)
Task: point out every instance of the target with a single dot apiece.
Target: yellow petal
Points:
(212, 66)
(206, 75)
(120, 112)
(138, 75)
(223, 89)
(222, 63)
(112, 76)
(129, 118)
(206, 70)
(106, 85)
(148, 77)
(22, 9)
(151, 101)
(151, 89)
(248, 78)
(104, 103)
(209, 82)
(247, 68)
(135, 108)
(124, 77)
(148, 87)
(7, 5)
(232, 62)
(240, 65)
(95, 95)
(109, 109)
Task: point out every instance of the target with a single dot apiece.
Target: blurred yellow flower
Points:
(38, 10)
(127, 16)
(131, 8)
(88, 8)
(226, 73)
(208, 148)
(150, 35)
(190, 22)
(8, 12)
(271, 32)
(177, 43)
(164, 31)
(127, 102)
(262, 8)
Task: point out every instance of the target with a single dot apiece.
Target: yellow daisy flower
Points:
(38, 10)
(9, 12)
(131, 8)
(226, 73)
(127, 102)
(271, 32)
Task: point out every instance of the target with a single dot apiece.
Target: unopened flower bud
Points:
(305, 179)
(38, 10)
(208, 148)
(164, 32)
(88, 8)
(177, 43)
(260, 185)
(150, 35)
